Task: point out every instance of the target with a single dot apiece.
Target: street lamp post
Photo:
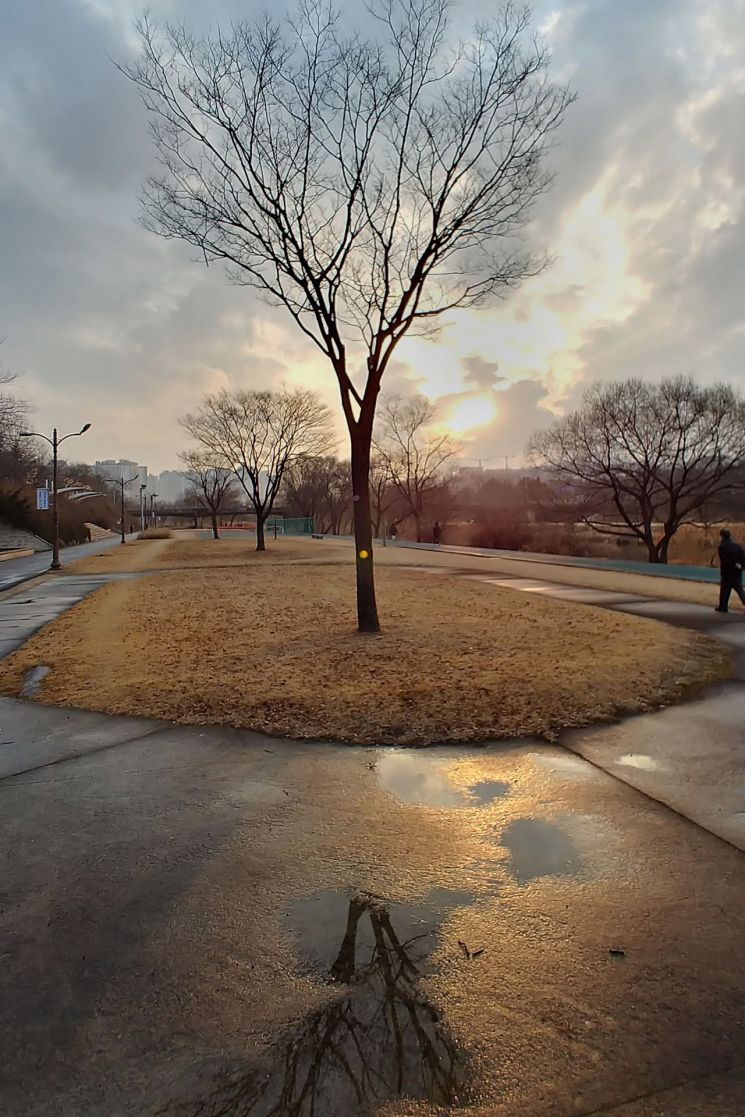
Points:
(55, 442)
(121, 483)
(142, 507)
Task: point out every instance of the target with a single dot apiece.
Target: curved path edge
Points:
(689, 757)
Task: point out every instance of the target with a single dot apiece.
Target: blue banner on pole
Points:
(42, 500)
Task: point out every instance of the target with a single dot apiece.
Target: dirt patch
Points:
(135, 555)
(263, 648)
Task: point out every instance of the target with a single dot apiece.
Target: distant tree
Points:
(319, 489)
(211, 483)
(337, 497)
(412, 451)
(642, 459)
(367, 185)
(383, 493)
(257, 435)
(19, 457)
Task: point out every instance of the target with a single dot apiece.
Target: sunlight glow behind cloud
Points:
(645, 224)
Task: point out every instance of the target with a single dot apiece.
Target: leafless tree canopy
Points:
(412, 452)
(256, 435)
(644, 458)
(19, 457)
(320, 488)
(212, 482)
(367, 185)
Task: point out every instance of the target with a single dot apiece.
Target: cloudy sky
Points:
(646, 224)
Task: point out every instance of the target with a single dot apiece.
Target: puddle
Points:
(565, 764)
(487, 791)
(420, 779)
(33, 680)
(379, 1041)
(538, 848)
(640, 760)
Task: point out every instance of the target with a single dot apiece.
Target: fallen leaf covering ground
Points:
(271, 646)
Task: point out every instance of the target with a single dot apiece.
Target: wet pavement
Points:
(13, 572)
(24, 613)
(198, 921)
(210, 922)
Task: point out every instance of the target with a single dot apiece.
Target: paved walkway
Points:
(623, 566)
(205, 920)
(690, 757)
(13, 572)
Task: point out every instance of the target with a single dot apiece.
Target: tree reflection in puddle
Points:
(380, 1041)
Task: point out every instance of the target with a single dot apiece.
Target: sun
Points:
(471, 412)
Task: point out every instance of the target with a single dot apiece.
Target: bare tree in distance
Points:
(256, 435)
(383, 494)
(320, 489)
(639, 455)
(211, 481)
(19, 458)
(368, 185)
(413, 452)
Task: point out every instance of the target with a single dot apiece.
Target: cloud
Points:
(480, 372)
(645, 222)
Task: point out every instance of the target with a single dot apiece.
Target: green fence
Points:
(292, 525)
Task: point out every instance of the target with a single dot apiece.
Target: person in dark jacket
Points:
(731, 563)
(437, 533)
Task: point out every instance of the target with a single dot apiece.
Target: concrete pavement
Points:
(681, 571)
(16, 571)
(205, 921)
(209, 922)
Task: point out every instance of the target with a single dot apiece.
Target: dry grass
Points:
(185, 552)
(697, 546)
(133, 556)
(264, 648)
(638, 585)
(155, 533)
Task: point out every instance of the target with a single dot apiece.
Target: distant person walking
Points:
(394, 534)
(731, 563)
(437, 533)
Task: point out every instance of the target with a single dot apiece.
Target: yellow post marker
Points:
(364, 555)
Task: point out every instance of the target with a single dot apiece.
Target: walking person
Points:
(437, 533)
(731, 563)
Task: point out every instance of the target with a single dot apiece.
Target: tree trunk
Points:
(367, 609)
(663, 547)
(260, 541)
(215, 533)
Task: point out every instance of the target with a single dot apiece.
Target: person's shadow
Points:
(381, 1040)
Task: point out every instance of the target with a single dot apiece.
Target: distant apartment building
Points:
(171, 486)
(123, 470)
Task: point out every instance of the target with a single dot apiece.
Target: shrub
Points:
(155, 533)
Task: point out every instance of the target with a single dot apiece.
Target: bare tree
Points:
(211, 480)
(413, 452)
(337, 497)
(256, 435)
(367, 185)
(320, 489)
(18, 456)
(383, 493)
(642, 459)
